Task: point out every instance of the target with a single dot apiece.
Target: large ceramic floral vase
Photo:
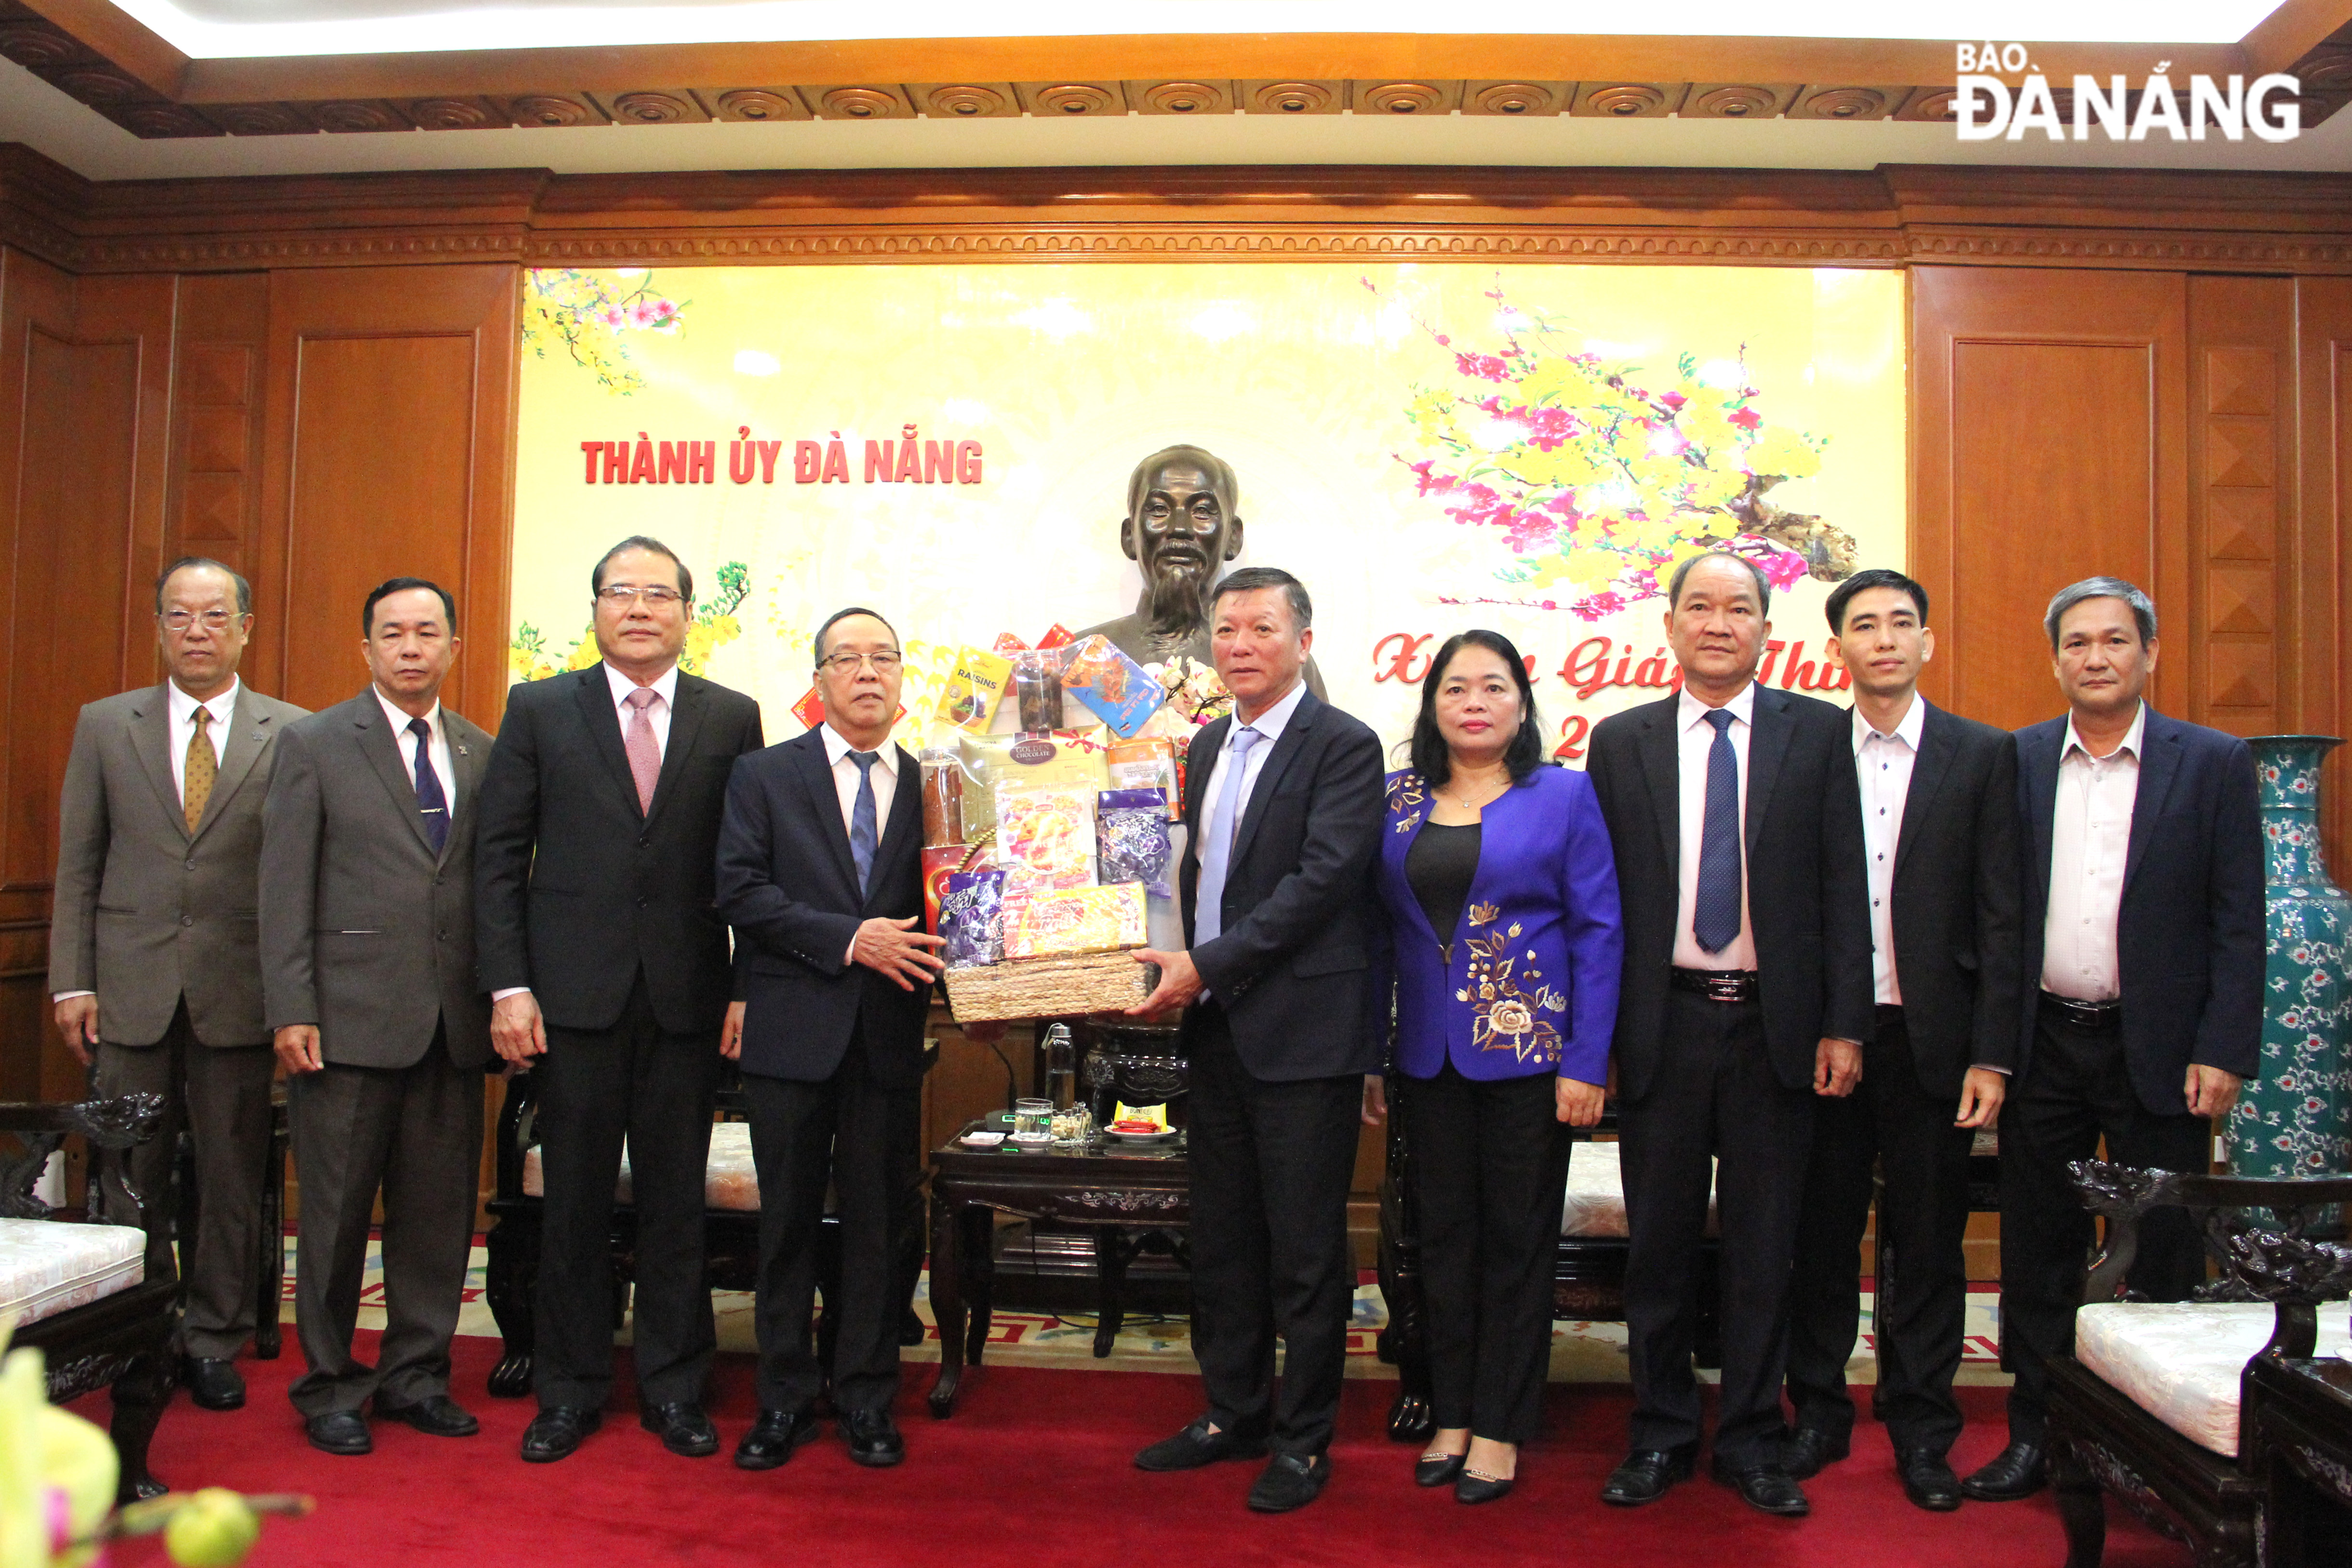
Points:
(2296, 1120)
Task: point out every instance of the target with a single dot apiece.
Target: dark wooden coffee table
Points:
(1116, 1191)
(2296, 1425)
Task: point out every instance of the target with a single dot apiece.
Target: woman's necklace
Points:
(1452, 792)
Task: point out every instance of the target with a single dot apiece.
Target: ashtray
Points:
(981, 1140)
(1032, 1140)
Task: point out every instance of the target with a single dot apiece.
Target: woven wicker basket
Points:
(1049, 987)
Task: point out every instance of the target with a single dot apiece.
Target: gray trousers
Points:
(220, 1094)
(414, 1132)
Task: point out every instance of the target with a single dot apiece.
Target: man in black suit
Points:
(1939, 829)
(2143, 928)
(1285, 803)
(1747, 994)
(820, 872)
(608, 971)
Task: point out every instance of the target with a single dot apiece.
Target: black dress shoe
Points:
(872, 1438)
(555, 1432)
(683, 1430)
(1437, 1470)
(1196, 1446)
(1645, 1475)
(1765, 1488)
(2018, 1470)
(773, 1437)
(340, 1432)
(1290, 1481)
(215, 1383)
(1809, 1448)
(437, 1415)
(1471, 1487)
(1927, 1479)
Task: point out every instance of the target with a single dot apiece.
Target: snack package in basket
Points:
(1058, 922)
(972, 918)
(968, 701)
(1148, 764)
(1131, 840)
(1046, 838)
(994, 762)
(943, 798)
(1122, 694)
(940, 863)
(1037, 689)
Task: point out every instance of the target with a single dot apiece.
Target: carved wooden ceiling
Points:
(136, 82)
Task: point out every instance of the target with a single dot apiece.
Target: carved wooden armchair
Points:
(80, 1288)
(2147, 1408)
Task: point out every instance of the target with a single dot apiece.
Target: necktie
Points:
(645, 751)
(1209, 896)
(862, 833)
(202, 766)
(432, 801)
(1714, 912)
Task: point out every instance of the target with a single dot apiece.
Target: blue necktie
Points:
(1714, 912)
(863, 834)
(1209, 895)
(432, 803)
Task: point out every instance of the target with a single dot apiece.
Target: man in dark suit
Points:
(367, 949)
(2142, 1014)
(1747, 994)
(820, 872)
(1939, 829)
(153, 959)
(1285, 803)
(608, 968)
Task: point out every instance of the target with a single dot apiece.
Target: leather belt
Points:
(2085, 1015)
(1718, 985)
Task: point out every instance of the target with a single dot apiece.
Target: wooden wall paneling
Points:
(2323, 514)
(2049, 415)
(2241, 623)
(213, 496)
(388, 450)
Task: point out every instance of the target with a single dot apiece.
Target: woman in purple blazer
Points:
(1503, 947)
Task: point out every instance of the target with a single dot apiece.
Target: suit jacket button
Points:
(643, 901)
(187, 920)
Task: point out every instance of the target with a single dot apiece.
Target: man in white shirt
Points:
(2143, 921)
(367, 941)
(1938, 796)
(153, 965)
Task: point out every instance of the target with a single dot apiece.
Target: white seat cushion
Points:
(2179, 1362)
(730, 1180)
(47, 1267)
(1595, 1204)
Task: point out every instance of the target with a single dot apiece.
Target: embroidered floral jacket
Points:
(1527, 982)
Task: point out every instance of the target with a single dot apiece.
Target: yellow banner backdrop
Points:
(1429, 447)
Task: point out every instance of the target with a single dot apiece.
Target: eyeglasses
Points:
(884, 663)
(181, 620)
(621, 594)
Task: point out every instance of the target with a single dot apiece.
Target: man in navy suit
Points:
(820, 872)
(2143, 932)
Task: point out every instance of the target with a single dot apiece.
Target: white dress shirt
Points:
(1694, 737)
(438, 753)
(1269, 726)
(1882, 765)
(665, 688)
(182, 708)
(845, 776)
(2090, 842)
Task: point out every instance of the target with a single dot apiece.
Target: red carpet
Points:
(1033, 1472)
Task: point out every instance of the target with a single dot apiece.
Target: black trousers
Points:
(1894, 1123)
(863, 1136)
(2075, 1090)
(414, 1132)
(220, 1094)
(1489, 1163)
(597, 1087)
(1715, 1098)
(1271, 1166)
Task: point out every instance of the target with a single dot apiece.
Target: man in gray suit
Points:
(153, 959)
(367, 952)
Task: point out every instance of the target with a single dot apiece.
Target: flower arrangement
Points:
(1604, 478)
(588, 312)
(713, 627)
